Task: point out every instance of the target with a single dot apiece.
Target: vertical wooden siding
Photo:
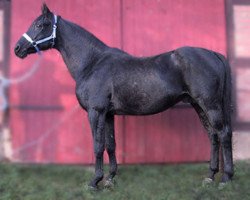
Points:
(140, 27)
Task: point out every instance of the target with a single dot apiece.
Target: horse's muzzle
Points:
(21, 53)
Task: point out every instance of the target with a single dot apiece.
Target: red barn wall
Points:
(46, 126)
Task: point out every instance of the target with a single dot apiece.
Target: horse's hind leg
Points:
(214, 161)
(226, 146)
(214, 143)
(110, 146)
(222, 129)
(224, 132)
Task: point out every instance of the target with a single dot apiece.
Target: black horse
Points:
(111, 82)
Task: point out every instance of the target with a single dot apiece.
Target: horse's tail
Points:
(226, 96)
(226, 101)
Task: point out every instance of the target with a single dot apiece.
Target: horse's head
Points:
(40, 36)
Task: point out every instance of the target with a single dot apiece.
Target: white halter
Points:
(52, 36)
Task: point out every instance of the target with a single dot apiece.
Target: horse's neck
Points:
(78, 47)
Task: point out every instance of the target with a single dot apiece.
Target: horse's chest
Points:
(93, 94)
(82, 95)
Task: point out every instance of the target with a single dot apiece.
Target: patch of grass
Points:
(142, 182)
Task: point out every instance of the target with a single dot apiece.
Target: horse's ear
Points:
(45, 9)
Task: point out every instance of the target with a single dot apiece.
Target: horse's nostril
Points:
(17, 48)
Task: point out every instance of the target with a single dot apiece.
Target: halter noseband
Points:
(52, 36)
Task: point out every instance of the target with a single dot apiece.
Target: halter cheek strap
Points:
(51, 37)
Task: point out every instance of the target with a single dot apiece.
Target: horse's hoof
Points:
(207, 181)
(92, 188)
(222, 185)
(109, 183)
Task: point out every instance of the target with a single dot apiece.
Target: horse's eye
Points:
(39, 25)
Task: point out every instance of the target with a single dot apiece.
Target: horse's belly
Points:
(144, 93)
(129, 111)
(142, 103)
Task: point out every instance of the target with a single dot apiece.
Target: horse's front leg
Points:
(97, 122)
(110, 146)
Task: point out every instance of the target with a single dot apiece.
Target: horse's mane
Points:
(83, 33)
